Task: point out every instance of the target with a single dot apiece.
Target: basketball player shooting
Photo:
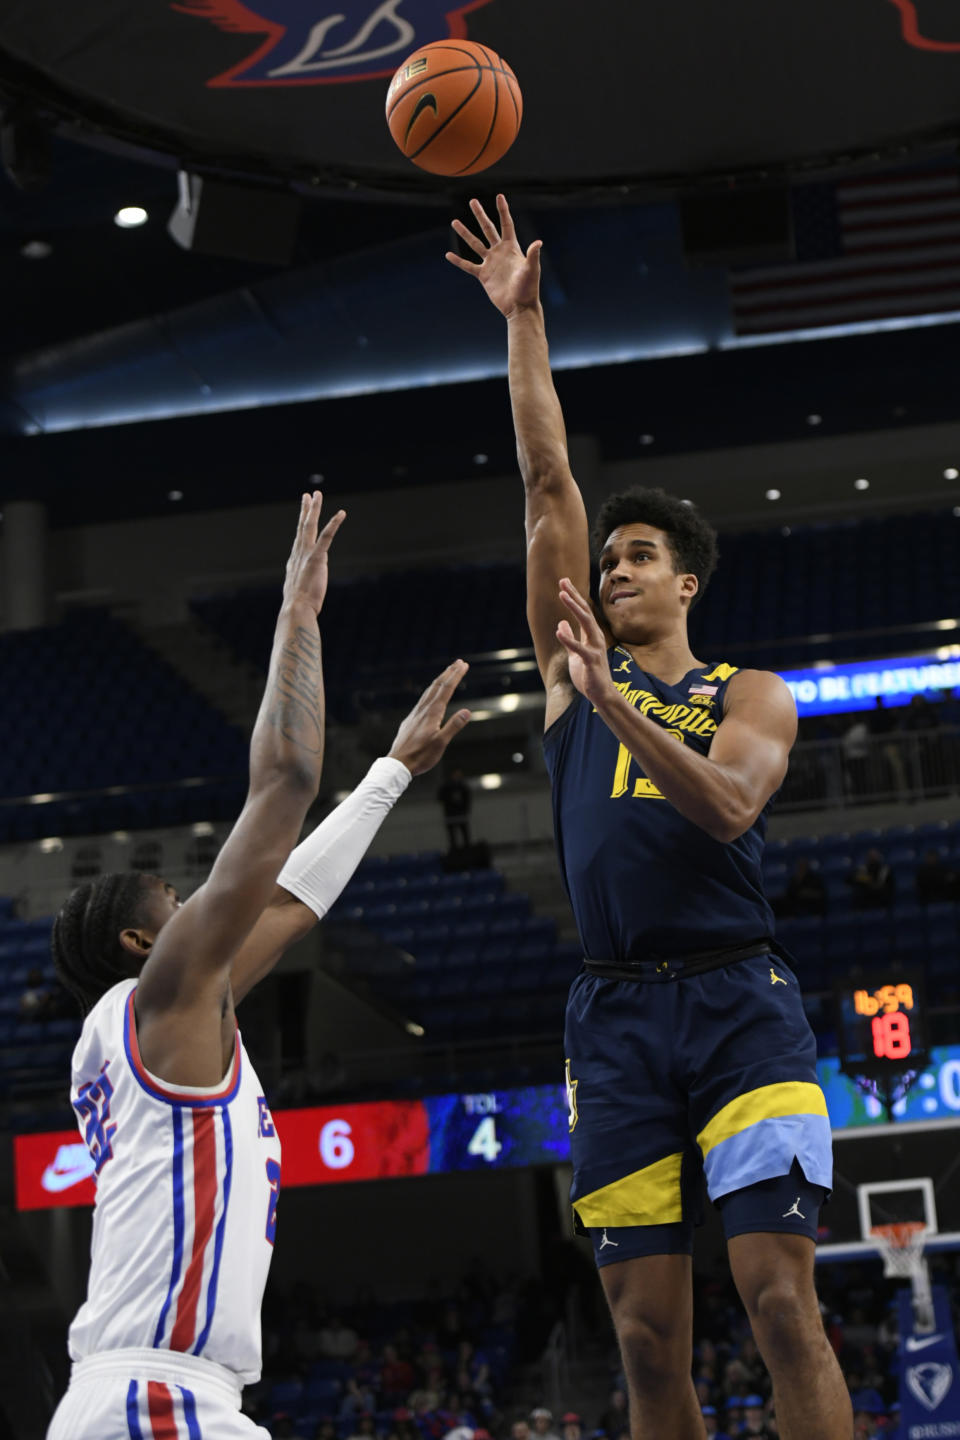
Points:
(186, 1153)
(688, 1048)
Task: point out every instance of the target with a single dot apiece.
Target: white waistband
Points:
(165, 1365)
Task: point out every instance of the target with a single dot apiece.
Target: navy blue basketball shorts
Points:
(713, 1073)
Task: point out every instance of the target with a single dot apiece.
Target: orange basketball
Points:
(454, 107)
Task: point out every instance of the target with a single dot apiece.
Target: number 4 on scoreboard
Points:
(484, 1140)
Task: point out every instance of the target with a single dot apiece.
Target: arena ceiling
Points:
(627, 108)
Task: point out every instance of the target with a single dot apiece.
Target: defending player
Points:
(688, 1048)
(187, 1156)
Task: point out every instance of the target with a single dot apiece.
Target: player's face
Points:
(640, 591)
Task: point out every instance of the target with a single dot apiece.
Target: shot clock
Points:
(881, 1023)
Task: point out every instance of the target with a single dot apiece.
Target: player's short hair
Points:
(691, 538)
(87, 952)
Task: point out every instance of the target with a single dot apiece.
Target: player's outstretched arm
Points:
(722, 792)
(556, 523)
(322, 864)
(184, 987)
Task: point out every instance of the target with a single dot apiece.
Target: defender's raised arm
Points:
(556, 522)
(183, 1000)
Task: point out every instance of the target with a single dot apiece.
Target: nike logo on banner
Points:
(914, 1344)
(426, 102)
(73, 1163)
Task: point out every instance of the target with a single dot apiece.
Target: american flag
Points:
(872, 248)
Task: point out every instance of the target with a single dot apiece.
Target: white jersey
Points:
(187, 1185)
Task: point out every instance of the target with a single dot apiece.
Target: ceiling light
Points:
(412, 1028)
(956, 511)
(317, 480)
(52, 845)
(951, 473)
(36, 250)
(128, 217)
(491, 782)
(814, 419)
(785, 530)
(646, 439)
(773, 494)
(517, 757)
(861, 484)
(174, 495)
(686, 502)
(480, 459)
(510, 702)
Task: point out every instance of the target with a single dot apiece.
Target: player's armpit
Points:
(753, 742)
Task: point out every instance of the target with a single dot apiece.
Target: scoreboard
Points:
(881, 1024)
(325, 1145)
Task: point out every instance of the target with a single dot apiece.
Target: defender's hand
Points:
(587, 651)
(510, 277)
(423, 737)
(307, 570)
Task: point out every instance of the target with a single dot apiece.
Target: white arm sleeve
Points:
(321, 865)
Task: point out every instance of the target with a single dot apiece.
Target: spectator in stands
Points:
(920, 719)
(520, 1430)
(868, 1409)
(337, 1341)
(35, 1001)
(397, 1377)
(541, 1424)
(363, 1428)
(873, 883)
(711, 1424)
(933, 881)
(284, 1428)
(754, 1418)
(325, 1429)
(456, 798)
(855, 746)
(472, 1370)
(883, 725)
(806, 894)
(615, 1420)
(572, 1426)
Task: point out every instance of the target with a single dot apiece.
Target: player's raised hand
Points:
(510, 277)
(423, 736)
(587, 649)
(307, 569)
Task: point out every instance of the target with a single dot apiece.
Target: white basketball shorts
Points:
(151, 1395)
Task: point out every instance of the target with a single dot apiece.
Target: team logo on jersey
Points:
(930, 1382)
(624, 665)
(302, 42)
(573, 1115)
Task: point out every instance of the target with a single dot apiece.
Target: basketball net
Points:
(901, 1246)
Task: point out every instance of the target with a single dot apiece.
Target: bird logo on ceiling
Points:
(356, 40)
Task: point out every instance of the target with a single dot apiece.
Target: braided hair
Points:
(88, 955)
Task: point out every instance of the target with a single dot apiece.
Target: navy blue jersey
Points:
(642, 880)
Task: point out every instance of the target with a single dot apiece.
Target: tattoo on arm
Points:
(298, 692)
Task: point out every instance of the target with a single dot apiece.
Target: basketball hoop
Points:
(901, 1243)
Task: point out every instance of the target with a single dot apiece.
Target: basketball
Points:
(454, 107)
